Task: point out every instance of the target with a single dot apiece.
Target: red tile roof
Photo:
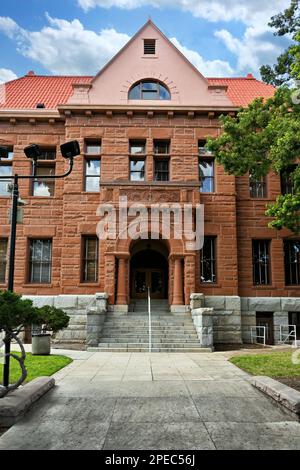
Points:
(241, 91)
(26, 92)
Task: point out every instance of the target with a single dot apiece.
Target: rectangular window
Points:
(206, 175)
(161, 147)
(48, 154)
(258, 189)
(286, 180)
(137, 147)
(40, 261)
(202, 150)
(149, 46)
(3, 259)
(292, 262)
(93, 147)
(92, 175)
(208, 260)
(161, 170)
(6, 171)
(137, 169)
(90, 259)
(44, 187)
(261, 262)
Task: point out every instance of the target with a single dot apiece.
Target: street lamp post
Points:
(69, 150)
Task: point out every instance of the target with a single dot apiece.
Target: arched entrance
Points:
(149, 268)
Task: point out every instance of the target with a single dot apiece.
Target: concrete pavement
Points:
(153, 401)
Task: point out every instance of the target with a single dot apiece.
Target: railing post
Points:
(150, 323)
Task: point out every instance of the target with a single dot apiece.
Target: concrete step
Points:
(146, 345)
(154, 350)
(130, 332)
(146, 335)
(144, 341)
(141, 331)
(146, 323)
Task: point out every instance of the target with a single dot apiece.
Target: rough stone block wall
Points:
(76, 307)
(226, 318)
(279, 306)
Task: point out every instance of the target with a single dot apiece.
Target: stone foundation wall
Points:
(76, 306)
(279, 306)
(226, 318)
(232, 316)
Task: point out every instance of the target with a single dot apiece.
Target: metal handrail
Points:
(150, 323)
(257, 334)
(290, 336)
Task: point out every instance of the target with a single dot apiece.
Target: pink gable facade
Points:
(186, 84)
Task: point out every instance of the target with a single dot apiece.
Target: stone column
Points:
(121, 287)
(178, 283)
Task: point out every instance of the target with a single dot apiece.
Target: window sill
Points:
(292, 286)
(210, 284)
(149, 56)
(33, 198)
(88, 284)
(36, 285)
(264, 287)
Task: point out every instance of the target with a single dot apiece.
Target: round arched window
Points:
(149, 90)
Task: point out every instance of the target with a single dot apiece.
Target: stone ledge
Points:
(14, 405)
(284, 395)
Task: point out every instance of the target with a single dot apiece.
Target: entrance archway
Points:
(149, 268)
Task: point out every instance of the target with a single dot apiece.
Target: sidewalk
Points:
(153, 401)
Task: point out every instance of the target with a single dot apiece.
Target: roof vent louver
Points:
(149, 46)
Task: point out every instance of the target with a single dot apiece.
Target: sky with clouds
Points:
(220, 37)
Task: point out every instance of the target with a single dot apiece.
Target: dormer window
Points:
(149, 90)
(149, 46)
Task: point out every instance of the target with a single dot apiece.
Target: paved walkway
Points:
(153, 401)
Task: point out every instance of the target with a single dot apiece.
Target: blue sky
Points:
(221, 38)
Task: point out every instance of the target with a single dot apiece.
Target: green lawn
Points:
(277, 364)
(36, 366)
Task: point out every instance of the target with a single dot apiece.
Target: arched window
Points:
(149, 90)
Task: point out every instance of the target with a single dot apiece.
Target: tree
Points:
(17, 313)
(287, 67)
(266, 135)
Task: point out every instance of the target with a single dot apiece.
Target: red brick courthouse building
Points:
(142, 123)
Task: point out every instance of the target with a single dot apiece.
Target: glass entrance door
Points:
(144, 278)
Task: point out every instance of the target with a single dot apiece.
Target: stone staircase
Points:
(171, 332)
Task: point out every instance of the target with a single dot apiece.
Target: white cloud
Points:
(6, 75)
(65, 47)
(249, 12)
(258, 46)
(209, 68)
(8, 26)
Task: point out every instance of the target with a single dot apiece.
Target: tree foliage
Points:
(16, 313)
(287, 66)
(265, 136)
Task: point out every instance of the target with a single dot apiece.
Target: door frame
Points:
(268, 319)
(148, 272)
